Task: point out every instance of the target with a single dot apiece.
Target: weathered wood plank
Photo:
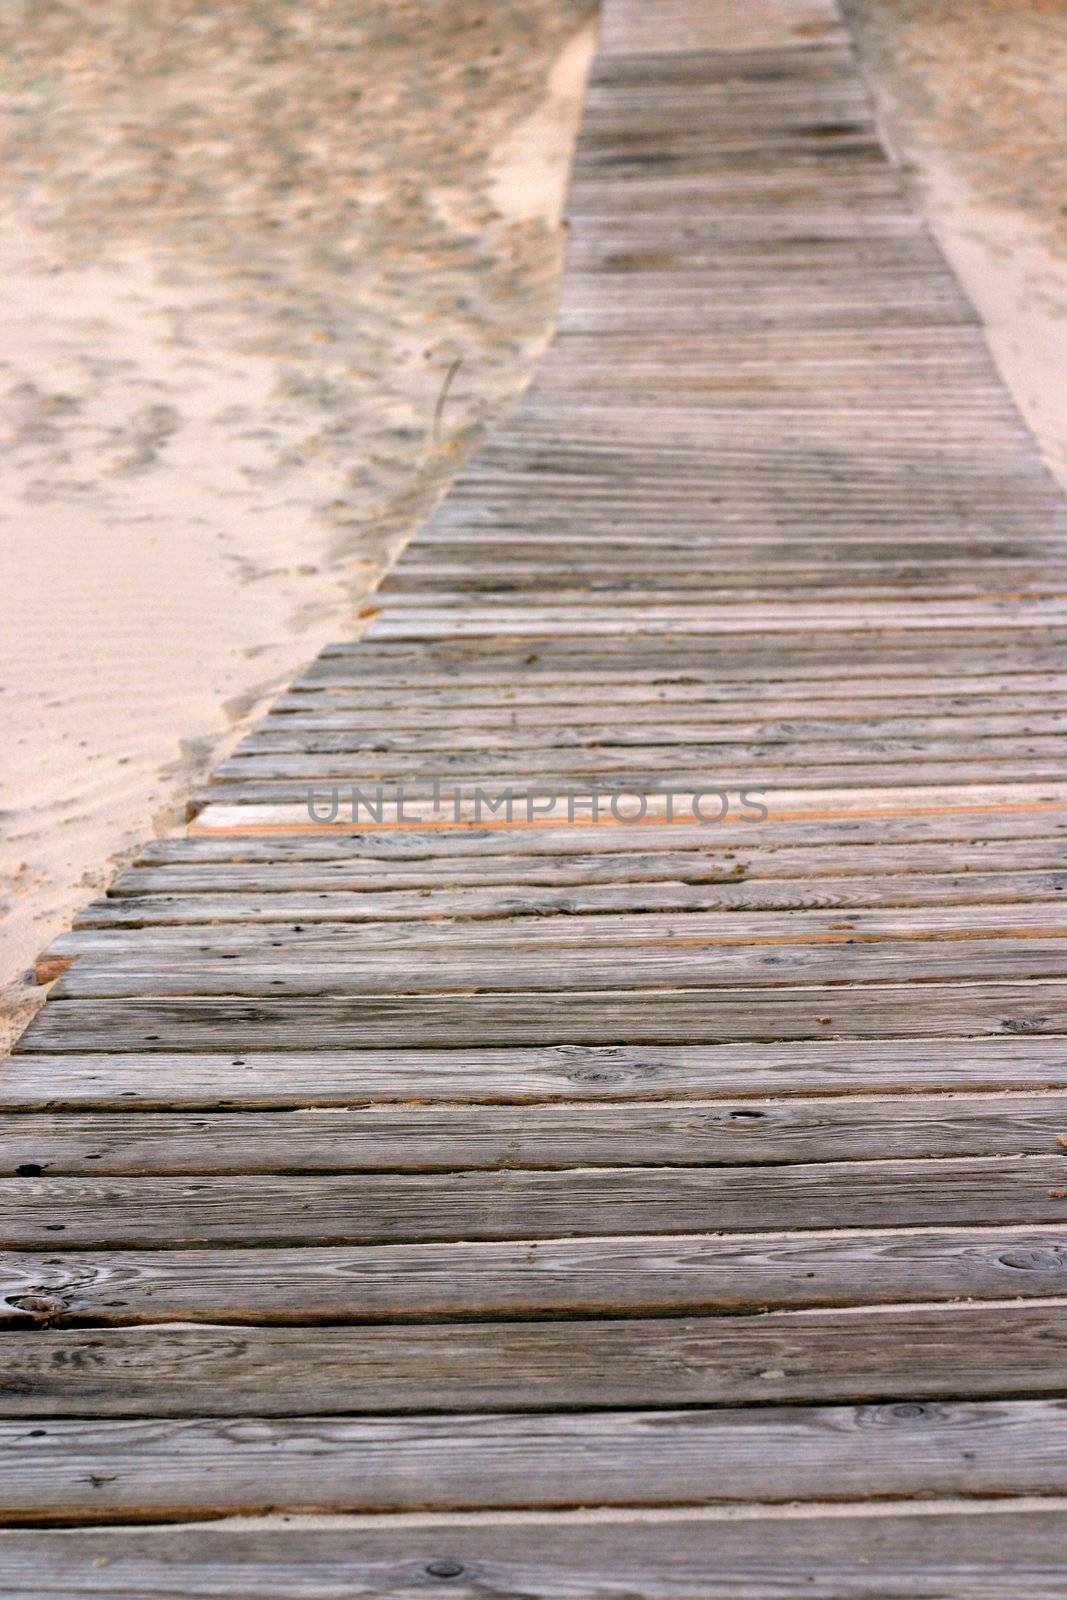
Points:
(648, 1016)
(306, 864)
(521, 705)
(983, 715)
(1010, 841)
(448, 1136)
(526, 705)
(369, 1208)
(920, 827)
(312, 735)
(896, 1551)
(545, 969)
(195, 1080)
(906, 1354)
(667, 1274)
(338, 941)
(93, 1470)
(738, 894)
(691, 767)
(900, 658)
(846, 787)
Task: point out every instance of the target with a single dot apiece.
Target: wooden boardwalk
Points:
(656, 1209)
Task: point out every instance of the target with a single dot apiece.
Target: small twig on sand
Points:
(443, 396)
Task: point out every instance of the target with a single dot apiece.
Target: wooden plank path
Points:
(665, 1207)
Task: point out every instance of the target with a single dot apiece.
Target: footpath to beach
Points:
(489, 1197)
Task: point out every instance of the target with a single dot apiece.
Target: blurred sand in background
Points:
(242, 247)
(973, 101)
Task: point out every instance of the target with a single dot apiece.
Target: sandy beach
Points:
(240, 267)
(972, 97)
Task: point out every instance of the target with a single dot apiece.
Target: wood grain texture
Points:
(901, 1552)
(643, 1209)
(86, 1470)
(446, 1136)
(306, 862)
(198, 1080)
(548, 970)
(648, 1016)
(662, 1275)
(498, 901)
(372, 1208)
(1016, 1350)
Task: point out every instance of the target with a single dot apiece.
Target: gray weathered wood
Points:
(731, 891)
(648, 1016)
(544, 969)
(323, 1208)
(907, 1354)
(302, 863)
(76, 1470)
(432, 1171)
(666, 1274)
(448, 1137)
(195, 1080)
(898, 1551)
(202, 941)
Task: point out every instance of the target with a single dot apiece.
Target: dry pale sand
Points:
(973, 101)
(243, 246)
